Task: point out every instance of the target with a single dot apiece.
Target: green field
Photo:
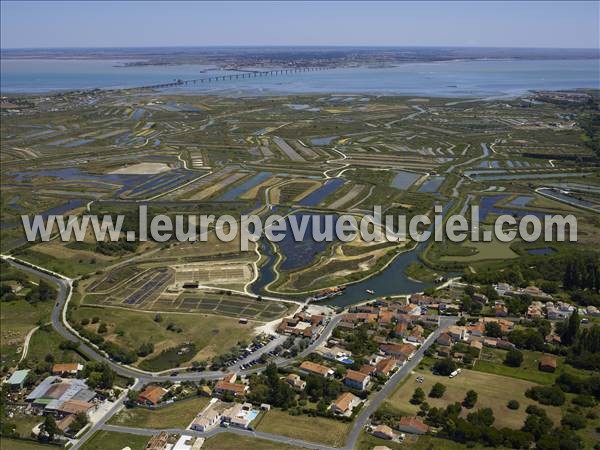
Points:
(491, 361)
(18, 444)
(230, 441)
(494, 392)
(17, 318)
(313, 429)
(107, 440)
(46, 341)
(210, 334)
(176, 415)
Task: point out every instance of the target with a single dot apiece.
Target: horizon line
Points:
(294, 46)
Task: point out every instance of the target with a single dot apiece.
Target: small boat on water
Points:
(370, 291)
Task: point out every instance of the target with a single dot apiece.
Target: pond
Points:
(299, 254)
(323, 140)
(432, 184)
(541, 251)
(316, 197)
(234, 193)
(487, 206)
(403, 179)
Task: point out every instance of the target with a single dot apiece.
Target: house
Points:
(367, 369)
(444, 340)
(404, 351)
(356, 380)
(239, 415)
(457, 333)
(385, 317)
(295, 381)
(66, 369)
(421, 299)
(411, 310)
(317, 369)
(152, 395)
(547, 363)
(73, 407)
(385, 366)
(412, 425)
(158, 442)
(17, 379)
(416, 334)
(236, 389)
(207, 420)
(345, 403)
(400, 329)
(477, 330)
(500, 310)
(384, 432)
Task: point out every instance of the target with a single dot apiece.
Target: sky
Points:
(40, 24)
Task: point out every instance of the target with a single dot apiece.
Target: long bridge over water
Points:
(236, 76)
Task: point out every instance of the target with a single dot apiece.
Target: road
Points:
(255, 434)
(58, 321)
(388, 388)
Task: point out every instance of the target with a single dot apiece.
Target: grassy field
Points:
(491, 362)
(483, 251)
(211, 334)
(494, 392)
(230, 441)
(177, 415)
(106, 440)
(368, 442)
(17, 444)
(46, 341)
(17, 318)
(314, 429)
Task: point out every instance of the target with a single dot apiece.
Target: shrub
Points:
(513, 404)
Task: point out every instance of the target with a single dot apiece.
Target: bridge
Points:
(237, 76)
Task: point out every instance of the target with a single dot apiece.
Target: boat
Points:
(370, 291)
(326, 293)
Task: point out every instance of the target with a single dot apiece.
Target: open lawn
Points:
(314, 429)
(18, 444)
(176, 415)
(106, 440)
(368, 442)
(494, 392)
(230, 441)
(17, 318)
(211, 334)
(46, 341)
(491, 361)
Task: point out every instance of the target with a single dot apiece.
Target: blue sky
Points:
(109, 24)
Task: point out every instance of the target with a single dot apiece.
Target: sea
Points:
(463, 78)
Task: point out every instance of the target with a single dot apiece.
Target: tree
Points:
(437, 390)
(470, 399)
(49, 429)
(546, 395)
(573, 421)
(514, 358)
(444, 366)
(493, 329)
(482, 417)
(418, 396)
(513, 404)
(81, 420)
(570, 331)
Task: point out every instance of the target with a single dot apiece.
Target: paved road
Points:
(100, 423)
(218, 430)
(64, 290)
(378, 398)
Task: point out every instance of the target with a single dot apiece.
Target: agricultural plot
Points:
(214, 273)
